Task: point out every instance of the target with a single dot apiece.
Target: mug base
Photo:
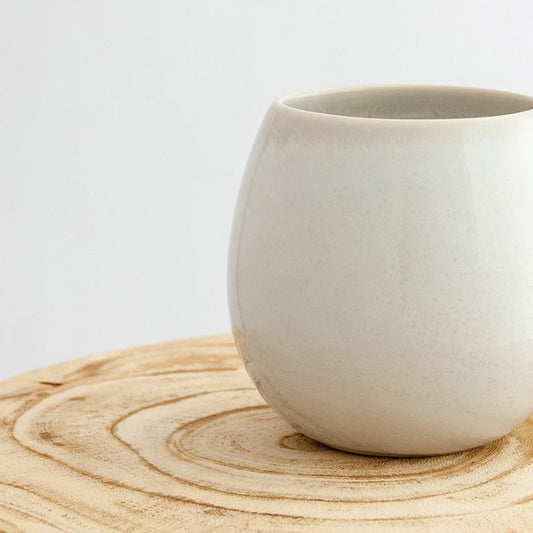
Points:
(395, 455)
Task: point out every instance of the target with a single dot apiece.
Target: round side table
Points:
(174, 437)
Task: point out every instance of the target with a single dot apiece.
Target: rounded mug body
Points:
(380, 272)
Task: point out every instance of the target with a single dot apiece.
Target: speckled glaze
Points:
(380, 272)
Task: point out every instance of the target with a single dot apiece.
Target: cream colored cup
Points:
(381, 266)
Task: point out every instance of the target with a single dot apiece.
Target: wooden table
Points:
(174, 437)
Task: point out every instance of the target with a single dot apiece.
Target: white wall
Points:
(125, 127)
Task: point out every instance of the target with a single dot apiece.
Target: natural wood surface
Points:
(174, 437)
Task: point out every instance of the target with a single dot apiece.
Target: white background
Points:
(125, 127)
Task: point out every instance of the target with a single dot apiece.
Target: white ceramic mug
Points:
(381, 266)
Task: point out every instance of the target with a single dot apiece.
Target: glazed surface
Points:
(381, 277)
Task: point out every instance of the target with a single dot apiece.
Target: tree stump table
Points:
(174, 437)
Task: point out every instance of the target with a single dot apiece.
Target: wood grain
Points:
(174, 437)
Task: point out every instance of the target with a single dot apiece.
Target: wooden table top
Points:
(174, 437)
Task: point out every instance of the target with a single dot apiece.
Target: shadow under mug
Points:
(380, 272)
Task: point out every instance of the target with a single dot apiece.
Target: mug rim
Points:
(513, 99)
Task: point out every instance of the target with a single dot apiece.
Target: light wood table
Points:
(174, 437)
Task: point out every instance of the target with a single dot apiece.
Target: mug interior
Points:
(411, 102)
